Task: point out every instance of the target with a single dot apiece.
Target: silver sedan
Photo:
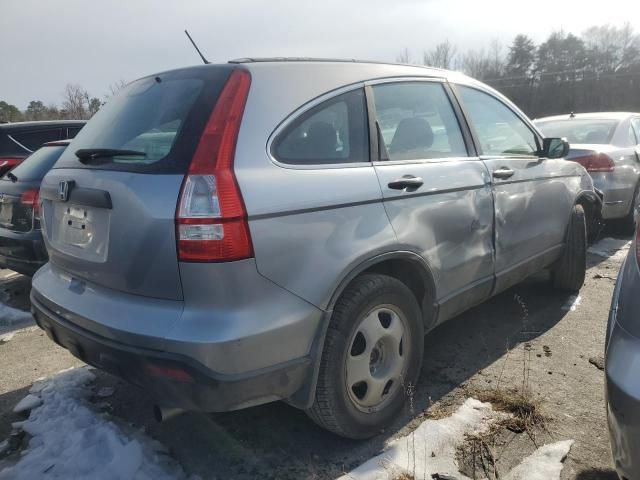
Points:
(607, 144)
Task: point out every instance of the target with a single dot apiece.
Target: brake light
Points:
(7, 163)
(211, 221)
(31, 198)
(596, 162)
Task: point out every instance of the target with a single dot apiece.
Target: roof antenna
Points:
(206, 62)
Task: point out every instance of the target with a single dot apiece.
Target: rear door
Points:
(532, 201)
(436, 191)
(110, 220)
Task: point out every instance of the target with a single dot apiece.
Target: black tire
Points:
(569, 271)
(333, 407)
(627, 224)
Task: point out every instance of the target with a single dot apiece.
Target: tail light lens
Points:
(31, 199)
(7, 163)
(596, 162)
(211, 221)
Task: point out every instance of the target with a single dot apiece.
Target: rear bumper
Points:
(23, 252)
(241, 339)
(174, 380)
(617, 195)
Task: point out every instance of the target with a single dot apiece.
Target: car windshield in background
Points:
(149, 117)
(36, 165)
(594, 131)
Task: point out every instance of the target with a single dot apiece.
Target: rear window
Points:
(36, 165)
(160, 116)
(35, 139)
(580, 130)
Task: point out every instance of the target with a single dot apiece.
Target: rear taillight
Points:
(7, 163)
(211, 221)
(596, 162)
(31, 198)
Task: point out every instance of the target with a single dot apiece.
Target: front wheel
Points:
(372, 355)
(569, 271)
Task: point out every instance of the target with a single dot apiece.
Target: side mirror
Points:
(555, 147)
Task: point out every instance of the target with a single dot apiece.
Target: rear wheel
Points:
(372, 354)
(569, 271)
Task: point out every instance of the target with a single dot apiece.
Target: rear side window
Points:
(333, 132)
(36, 165)
(160, 117)
(500, 131)
(9, 148)
(415, 120)
(35, 139)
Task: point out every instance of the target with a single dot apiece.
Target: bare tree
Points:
(475, 63)
(441, 56)
(115, 87)
(403, 57)
(75, 102)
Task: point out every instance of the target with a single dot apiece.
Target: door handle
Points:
(408, 182)
(503, 173)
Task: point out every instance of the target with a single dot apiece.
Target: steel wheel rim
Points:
(376, 359)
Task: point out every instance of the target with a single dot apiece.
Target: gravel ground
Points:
(528, 331)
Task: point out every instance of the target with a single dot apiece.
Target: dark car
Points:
(19, 140)
(622, 356)
(21, 245)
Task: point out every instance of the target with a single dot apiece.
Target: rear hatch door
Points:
(109, 203)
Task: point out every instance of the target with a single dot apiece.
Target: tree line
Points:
(598, 70)
(77, 104)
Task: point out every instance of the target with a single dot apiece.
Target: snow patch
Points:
(543, 464)
(611, 248)
(70, 440)
(13, 316)
(431, 449)
(572, 303)
(7, 336)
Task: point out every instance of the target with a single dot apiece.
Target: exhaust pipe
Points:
(163, 414)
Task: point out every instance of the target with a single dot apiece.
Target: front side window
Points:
(415, 120)
(500, 131)
(333, 132)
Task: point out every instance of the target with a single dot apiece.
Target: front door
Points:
(532, 204)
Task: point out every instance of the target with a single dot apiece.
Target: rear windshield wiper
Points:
(90, 155)
(12, 177)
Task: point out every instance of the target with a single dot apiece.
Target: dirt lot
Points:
(530, 331)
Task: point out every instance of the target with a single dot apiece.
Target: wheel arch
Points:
(418, 276)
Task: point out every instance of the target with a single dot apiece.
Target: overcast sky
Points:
(46, 44)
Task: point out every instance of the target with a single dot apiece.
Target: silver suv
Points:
(230, 235)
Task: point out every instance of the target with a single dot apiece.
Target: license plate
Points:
(80, 231)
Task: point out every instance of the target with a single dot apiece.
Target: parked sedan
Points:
(20, 139)
(224, 250)
(21, 245)
(607, 144)
(622, 367)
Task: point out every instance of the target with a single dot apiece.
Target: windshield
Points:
(159, 118)
(595, 131)
(36, 165)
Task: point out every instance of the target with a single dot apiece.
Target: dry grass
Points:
(525, 410)
(404, 476)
